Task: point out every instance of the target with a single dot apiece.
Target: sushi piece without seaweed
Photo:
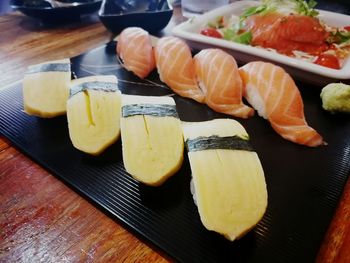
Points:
(273, 93)
(218, 77)
(152, 139)
(46, 88)
(287, 33)
(176, 69)
(228, 179)
(134, 47)
(93, 113)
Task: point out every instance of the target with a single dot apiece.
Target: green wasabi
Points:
(336, 98)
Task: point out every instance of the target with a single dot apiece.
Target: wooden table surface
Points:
(42, 219)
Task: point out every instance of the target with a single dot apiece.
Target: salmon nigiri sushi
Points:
(135, 49)
(176, 69)
(219, 79)
(273, 93)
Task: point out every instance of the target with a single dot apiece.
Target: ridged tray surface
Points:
(304, 184)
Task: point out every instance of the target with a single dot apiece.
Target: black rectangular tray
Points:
(304, 184)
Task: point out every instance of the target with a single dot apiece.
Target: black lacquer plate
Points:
(304, 184)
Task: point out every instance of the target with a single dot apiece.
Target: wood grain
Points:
(25, 41)
(42, 219)
(336, 245)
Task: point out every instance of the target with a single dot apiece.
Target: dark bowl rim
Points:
(31, 8)
(136, 13)
(169, 8)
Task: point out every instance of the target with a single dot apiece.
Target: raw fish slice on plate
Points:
(218, 77)
(176, 68)
(273, 93)
(287, 33)
(135, 49)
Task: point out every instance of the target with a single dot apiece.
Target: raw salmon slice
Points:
(287, 33)
(134, 47)
(218, 77)
(176, 68)
(273, 93)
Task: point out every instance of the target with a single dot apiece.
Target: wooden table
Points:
(41, 218)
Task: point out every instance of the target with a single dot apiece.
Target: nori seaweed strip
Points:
(215, 142)
(60, 67)
(158, 110)
(93, 85)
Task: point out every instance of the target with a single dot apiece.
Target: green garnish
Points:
(306, 8)
(339, 37)
(260, 9)
(218, 23)
(243, 38)
(301, 7)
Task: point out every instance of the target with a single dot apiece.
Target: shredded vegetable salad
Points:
(289, 27)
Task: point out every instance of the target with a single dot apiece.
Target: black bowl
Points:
(151, 15)
(44, 11)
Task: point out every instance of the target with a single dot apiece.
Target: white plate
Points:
(302, 70)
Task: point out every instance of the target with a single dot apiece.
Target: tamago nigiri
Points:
(176, 69)
(273, 93)
(218, 77)
(135, 48)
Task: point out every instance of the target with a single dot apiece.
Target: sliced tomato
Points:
(329, 61)
(347, 28)
(211, 32)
